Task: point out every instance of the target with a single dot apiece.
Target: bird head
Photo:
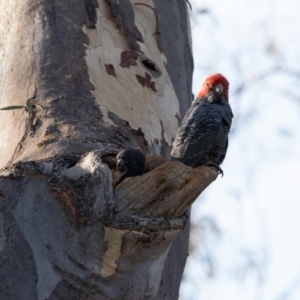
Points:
(216, 86)
(131, 162)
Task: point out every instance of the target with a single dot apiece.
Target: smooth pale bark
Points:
(103, 76)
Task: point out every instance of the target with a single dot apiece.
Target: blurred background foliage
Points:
(244, 240)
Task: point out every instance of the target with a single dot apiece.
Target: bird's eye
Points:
(133, 165)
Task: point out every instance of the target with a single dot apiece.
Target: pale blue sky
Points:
(256, 45)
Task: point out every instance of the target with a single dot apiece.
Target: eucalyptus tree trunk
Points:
(100, 77)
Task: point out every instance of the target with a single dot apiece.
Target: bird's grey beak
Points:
(121, 165)
(219, 89)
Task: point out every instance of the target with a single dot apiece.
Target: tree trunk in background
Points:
(102, 76)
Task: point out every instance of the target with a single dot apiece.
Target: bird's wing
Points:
(222, 140)
(202, 130)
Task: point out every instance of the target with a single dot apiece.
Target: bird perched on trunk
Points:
(202, 138)
(131, 162)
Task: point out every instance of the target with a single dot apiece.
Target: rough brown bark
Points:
(100, 81)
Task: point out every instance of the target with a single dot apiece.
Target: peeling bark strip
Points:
(156, 16)
(126, 242)
(143, 107)
(123, 15)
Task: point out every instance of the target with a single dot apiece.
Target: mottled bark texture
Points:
(100, 81)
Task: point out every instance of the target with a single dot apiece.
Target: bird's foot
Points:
(212, 164)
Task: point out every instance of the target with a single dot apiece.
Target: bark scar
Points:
(146, 81)
(128, 59)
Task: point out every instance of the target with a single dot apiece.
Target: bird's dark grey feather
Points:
(203, 134)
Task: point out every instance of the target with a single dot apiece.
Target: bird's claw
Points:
(220, 171)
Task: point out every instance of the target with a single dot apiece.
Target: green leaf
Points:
(29, 105)
(12, 107)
